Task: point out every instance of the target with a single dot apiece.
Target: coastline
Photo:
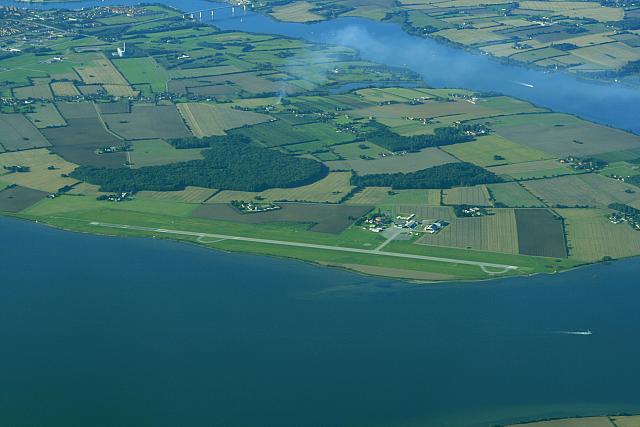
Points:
(362, 270)
(586, 77)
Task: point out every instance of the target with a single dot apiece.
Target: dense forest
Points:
(381, 135)
(226, 166)
(443, 176)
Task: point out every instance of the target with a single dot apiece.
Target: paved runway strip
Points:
(483, 265)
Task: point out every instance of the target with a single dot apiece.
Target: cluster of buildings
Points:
(589, 164)
(92, 14)
(621, 217)
(118, 197)
(472, 211)
(114, 149)
(406, 221)
(254, 207)
(379, 222)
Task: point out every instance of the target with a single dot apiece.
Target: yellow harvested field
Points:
(576, 9)
(631, 421)
(370, 196)
(470, 3)
(476, 196)
(256, 102)
(64, 89)
(210, 119)
(582, 190)
(446, 111)
(296, 12)
(557, 6)
(120, 90)
(85, 189)
(38, 91)
(495, 233)
(570, 422)
(372, 12)
(470, 36)
(101, 71)
(385, 196)
(40, 177)
(46, 115)
(188, 195)
(613, 55)
(505, 49)
(591, 236)
(514, 22)
(591, 39)
(331, 189)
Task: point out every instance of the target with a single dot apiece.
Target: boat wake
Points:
(587, 332)
(524, 84)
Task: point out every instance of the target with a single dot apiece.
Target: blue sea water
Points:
(137, 332)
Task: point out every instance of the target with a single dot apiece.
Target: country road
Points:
(483, 265)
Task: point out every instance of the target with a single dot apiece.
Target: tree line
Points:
(381, 135)
(207, 141)
(443, 176)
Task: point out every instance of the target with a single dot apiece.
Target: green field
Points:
(153, 152)
(42, 91)
(17, 133)
(391, 163)
(532, 170)
(46, 115)
(591, 190)
(512, 194)
(495, 150)
(147, 121)
(143, 70)
(591, 236)
(563, 135)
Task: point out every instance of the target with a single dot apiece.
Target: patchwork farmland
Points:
(245, 135)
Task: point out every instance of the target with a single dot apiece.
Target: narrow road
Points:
(395, 232)
(503, 268)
